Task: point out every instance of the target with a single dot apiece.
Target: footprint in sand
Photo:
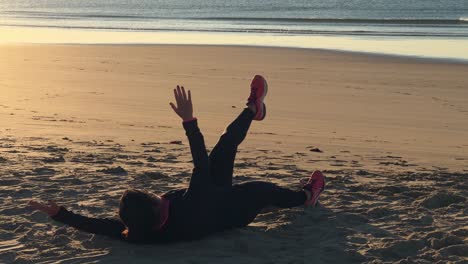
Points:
(154, 175)
(399, 249)
(379, 212)
(441, 199)
(114, 171)
(44, 171)
(53, 159)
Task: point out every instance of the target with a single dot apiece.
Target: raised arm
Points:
(184, 109)
(108, 227)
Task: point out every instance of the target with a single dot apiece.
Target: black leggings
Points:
(244, 201)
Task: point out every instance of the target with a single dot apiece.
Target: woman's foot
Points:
(258, 91)
(314, 186)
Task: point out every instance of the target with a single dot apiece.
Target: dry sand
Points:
(393, 134)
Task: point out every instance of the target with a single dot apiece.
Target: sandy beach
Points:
(82, 123)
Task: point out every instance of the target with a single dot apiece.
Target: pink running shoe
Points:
(258, 91)
(315, 186)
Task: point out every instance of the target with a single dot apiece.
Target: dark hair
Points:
(138, 214)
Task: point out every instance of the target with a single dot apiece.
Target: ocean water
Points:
(443, 18)
(389, 20)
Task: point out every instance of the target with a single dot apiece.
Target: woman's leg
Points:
(224, 153)
(248, 199)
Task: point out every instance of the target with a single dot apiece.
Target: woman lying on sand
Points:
(210, 203)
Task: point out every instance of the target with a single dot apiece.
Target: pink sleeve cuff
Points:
(190, 120)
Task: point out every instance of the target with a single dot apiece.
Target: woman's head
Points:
(139, 211)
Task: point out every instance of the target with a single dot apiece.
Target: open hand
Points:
(51, 208)
(184, 107)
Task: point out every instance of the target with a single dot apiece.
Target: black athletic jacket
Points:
(190, 215)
